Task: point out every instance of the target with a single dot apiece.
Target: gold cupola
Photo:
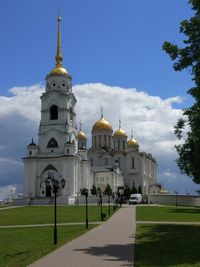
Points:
(59, 69)
(120, 132)
(81, 135)
(132, 142)
(102, 124)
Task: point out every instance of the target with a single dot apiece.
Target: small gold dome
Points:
(81, 135)
(120, 132)
(102, 124)
(132, 142)
(59, 71)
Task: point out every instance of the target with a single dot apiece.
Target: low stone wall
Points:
(172, 199)
(80, 200)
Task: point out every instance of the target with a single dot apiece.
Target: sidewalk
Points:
(110, 244)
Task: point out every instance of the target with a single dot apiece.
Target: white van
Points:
(135, 199)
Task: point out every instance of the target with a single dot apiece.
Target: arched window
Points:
(132, 163)
(123, 145)
(52, 143)
(53, 112)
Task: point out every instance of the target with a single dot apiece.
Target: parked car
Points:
(135, 199)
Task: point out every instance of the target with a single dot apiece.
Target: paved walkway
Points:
(110, 244)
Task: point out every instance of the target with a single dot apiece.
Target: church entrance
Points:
(48, 191)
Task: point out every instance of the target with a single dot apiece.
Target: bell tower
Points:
(58, 117)
(56, 154)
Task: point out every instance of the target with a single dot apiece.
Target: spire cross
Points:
(101, 112)
(80, 125)
(120, 123)
(59, 53)
(131, 133)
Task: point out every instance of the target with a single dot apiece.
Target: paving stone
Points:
(110, 244)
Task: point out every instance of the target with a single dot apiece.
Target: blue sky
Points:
(107, 45)
(109, 41)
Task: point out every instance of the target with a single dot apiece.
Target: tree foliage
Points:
(188, 128)
(108, 190)
(140, 190)
(127, 192)
(134, 189)
(93, 190)
(84, 191)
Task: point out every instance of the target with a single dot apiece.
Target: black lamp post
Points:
(100, 197)
(113, 198)
(108, 204)
(176, 192)
(86, 206)
(56, 184)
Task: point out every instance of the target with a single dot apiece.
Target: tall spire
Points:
(120, 123)
(59, 53)
(59, 69)
(101, 112)
(131, 133)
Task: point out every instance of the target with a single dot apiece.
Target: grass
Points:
(21, 246)
(45, 214)
(167, 245)
(170, 214)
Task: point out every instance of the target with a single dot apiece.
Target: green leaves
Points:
(189, 57)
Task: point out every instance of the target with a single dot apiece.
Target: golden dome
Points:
(59, 70)
(120, 132)
(102, 124)
(132, 142)
(81, 135)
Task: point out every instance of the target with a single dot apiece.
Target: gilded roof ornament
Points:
(59, 69)
(120, 132)
(102, 124)
(132, 141)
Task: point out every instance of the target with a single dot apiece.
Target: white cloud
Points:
(151, 118)
(25, 102)
(7, 191)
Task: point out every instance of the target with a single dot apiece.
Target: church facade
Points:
(62, 154)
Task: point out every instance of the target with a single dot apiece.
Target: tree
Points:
(108, 190)
(140, 190)
(84, 191)
(99, 191)
(134, 189)
(127, 192)
(93, 190)
(187, 128)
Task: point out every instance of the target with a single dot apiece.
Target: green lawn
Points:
(170, 214)
(45, 214)
(22, 246)
(167, 245)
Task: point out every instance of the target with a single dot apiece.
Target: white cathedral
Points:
(62, 150)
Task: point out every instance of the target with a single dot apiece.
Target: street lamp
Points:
(176, 192)
(84, 192)
(113, 198)
(56, 184)
(86, 206)
(100, 197)
(108, 204)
